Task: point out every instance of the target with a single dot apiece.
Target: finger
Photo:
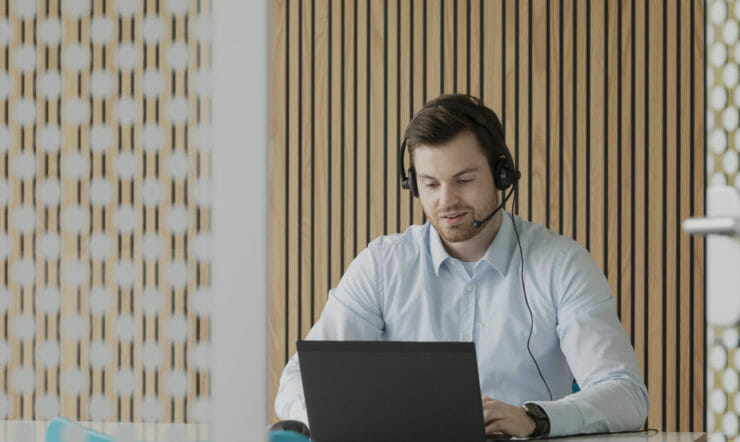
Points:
(492, 412)
(491, 405)
(495, 427)
(508, 425)
(488, 417)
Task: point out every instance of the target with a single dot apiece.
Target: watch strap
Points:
(540, 418)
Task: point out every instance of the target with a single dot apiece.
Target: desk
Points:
(35, 431)
(638, 437)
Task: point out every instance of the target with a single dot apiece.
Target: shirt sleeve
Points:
(352, 312)
(613, 396)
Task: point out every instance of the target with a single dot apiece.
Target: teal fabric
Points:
(59, 427)
(287, 436)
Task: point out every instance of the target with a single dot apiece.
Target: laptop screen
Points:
(391, 391)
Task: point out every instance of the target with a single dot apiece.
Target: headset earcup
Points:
(503, 174)
(412, 183)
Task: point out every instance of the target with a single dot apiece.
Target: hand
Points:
(502, 419)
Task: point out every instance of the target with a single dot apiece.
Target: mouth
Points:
(453, 218)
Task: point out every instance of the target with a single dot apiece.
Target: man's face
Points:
(455, 186)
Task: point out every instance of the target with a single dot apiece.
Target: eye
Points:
(431, 185)
(464, 181)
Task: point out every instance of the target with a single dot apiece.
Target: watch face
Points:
(539, 417)
(534, 410)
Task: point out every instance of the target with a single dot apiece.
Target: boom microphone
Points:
(481, 223)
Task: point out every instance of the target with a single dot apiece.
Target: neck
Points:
(473, 249)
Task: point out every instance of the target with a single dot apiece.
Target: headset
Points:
(505, 173)
(505, 176)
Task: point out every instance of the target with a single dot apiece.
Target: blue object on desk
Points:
(287, 436)
(59, 426)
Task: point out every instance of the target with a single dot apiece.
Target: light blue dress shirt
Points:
(406, 287)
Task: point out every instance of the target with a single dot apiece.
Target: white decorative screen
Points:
(104, 210)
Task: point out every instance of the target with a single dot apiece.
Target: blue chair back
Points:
(287, 436)
(59, 429)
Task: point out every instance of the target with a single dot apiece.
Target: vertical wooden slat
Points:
(556, 115)
(433, 49)
(626, 177)
(597, 142)
(612, 159)
(348, 143)
(473, 50)
(639, 167)
(538, 112)
(306, 149)
(522, 86)
(336, 217)
(672, 222)
(685, 118)
(293, 190)
(405, 107)
(417, 80)
(320, 170)
(379, 150)
(568, 117)
(393, 139)
(449, 47)
(362, 171)
(459, 35)
(508, 112)
(699, 182)
(582, 122)
(492, 62)
(655, 216)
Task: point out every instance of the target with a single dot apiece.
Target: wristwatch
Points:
(538, 415)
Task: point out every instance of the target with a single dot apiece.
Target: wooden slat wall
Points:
(602, 103)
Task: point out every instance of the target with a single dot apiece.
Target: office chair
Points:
(289, 431)
(287, 436)
(61, 430)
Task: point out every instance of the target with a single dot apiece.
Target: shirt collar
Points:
(501, 251)
(436, 249)
(498, 255)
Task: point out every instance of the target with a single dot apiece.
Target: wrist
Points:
(540, 418)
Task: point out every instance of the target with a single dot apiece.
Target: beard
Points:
(459, 232)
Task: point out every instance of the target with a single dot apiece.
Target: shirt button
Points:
(466, 337)
(468, 288)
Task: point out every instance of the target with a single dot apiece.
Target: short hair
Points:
(443, 118)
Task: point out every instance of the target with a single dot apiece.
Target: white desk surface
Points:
(651, 436)
(35, 431)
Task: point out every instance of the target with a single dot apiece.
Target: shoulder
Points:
(576, 282)
(411, 242)
(542, 243)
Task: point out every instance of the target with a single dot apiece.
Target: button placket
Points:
(469, 292)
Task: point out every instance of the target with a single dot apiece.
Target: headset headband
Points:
(503, 169)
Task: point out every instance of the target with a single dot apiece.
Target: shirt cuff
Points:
(565, 418)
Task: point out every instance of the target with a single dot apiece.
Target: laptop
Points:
(391, 391)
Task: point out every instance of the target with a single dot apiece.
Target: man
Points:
(534, 303)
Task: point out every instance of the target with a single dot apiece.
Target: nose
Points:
(447, 196)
